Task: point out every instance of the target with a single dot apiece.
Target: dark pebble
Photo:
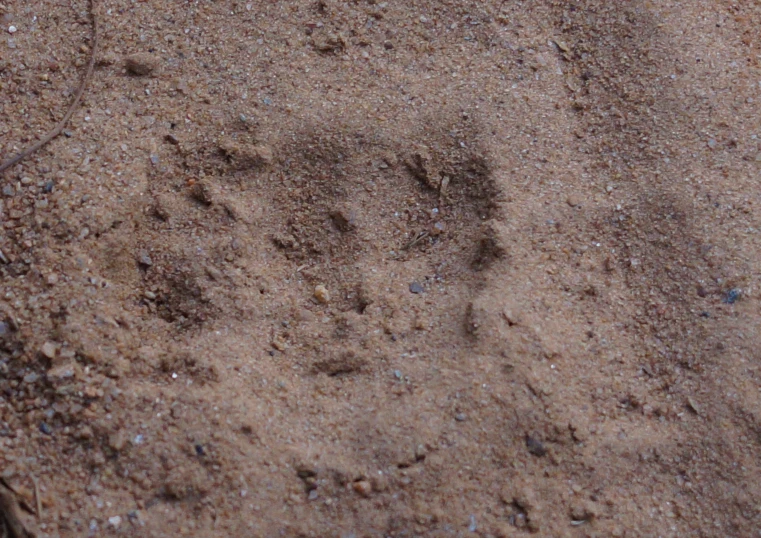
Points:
(44, 428)
(416, 287)
(731, 296)
(535, 446)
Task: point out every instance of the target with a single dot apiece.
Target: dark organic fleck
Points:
(535, 446)
(731, 296)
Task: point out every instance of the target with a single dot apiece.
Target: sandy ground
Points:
(382, 269)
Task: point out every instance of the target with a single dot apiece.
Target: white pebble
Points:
(12, 29)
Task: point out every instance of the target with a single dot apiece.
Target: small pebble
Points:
(48, 349)
(279, 343)
(144, 259)
(117, 440)
(535, 446)
(345, 219)
(437, 229)
(31, 378)
(731, 296)
(203, 192)
(141, 64)
(322, 294)
(416, 288)
(363, 487)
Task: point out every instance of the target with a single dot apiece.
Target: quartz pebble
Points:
(48, 349)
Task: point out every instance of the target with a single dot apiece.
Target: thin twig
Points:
(417, 239)
(80, 91)
(37, 496)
